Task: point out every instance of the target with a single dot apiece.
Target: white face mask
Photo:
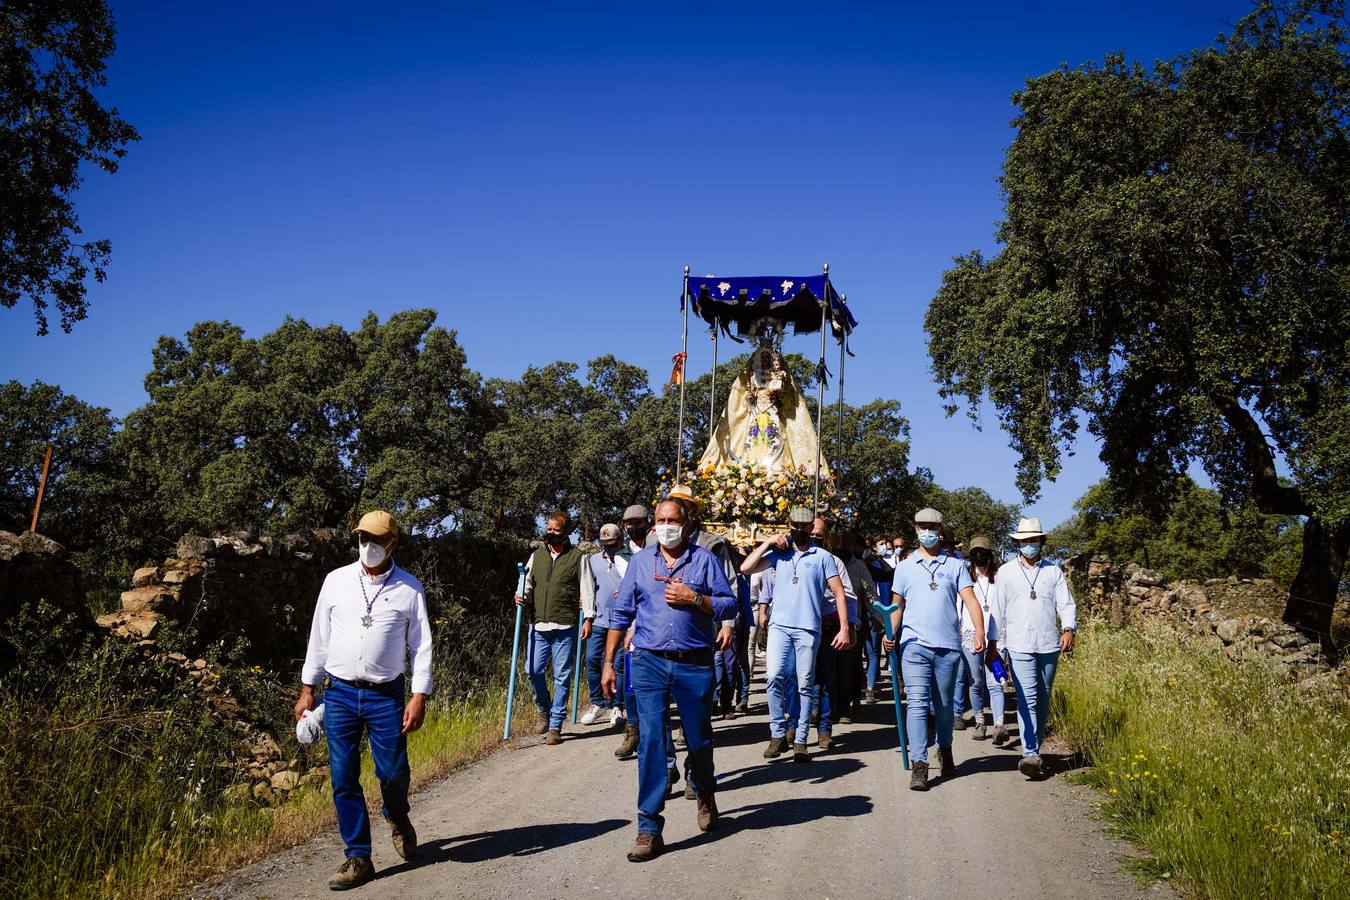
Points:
(372, 555)
(669, 536)
(928, 538)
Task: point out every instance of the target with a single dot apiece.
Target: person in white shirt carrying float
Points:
(371, 616)
(1035, 618)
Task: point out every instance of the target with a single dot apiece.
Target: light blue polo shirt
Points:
(931, 615)
(800, 583)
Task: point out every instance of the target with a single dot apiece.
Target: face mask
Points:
(554, 539)
(981, 557)
(637, 534)
(818, 542)
(669, 536)
(1031, 549)
(928, 537)
(800, 537)
(372, 555)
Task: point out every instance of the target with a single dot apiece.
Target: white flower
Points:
(786, 286)
(723, 287)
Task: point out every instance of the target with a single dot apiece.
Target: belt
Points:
(701, 655)
(382, 686)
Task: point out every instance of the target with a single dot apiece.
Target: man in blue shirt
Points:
(674, 594)
(926, 587)
(802, 573)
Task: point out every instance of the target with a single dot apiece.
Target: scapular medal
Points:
(932, 585)
(367, 620)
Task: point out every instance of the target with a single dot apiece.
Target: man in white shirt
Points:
(1035, 618)
(371, 616)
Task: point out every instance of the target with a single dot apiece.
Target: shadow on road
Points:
(523, 841)
(818, 771)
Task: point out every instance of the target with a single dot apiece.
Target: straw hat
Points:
(1027, 528)
(685, 495)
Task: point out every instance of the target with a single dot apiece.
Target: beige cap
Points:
(928, 515)
(980, 542)
(610, 532)
(800, 515)
(377, 523)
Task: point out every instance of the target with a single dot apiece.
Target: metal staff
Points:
(820, 384)
(515, 651)
(684, 370)
(576, 667)
(885, 612)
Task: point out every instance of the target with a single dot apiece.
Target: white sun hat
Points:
(1027, 528)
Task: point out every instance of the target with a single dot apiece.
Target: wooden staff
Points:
(42, 488)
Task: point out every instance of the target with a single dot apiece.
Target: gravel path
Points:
(541, 822)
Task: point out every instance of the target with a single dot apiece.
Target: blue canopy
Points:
(723, 301)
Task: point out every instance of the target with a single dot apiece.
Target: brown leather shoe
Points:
(777, 747)
(799, 753)
(948, 768)
(540, 723)
(824, 741)
(355, 871)
(405, 837)
(707, 812)
(689, 793)
(646, 847)
(672, 777)
(628, 746)
(554, 737)
(918, 776)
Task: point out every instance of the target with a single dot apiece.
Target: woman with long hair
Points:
(983, 570)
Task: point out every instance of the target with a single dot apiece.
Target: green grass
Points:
(1236, 781)
(103, 802)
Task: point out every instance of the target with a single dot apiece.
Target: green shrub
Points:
(1228, 773)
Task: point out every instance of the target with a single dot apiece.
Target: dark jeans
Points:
(348, 710)
(827, 678)
(595, 660)
(732, 675)
(657, 682)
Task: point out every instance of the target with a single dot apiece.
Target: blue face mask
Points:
(1031, 549)
(928, 538)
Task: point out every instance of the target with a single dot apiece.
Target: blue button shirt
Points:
(931, 616)
(800, 583)
(660, 626)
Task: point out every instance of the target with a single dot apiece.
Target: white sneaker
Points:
(588, 718)
(616, 718)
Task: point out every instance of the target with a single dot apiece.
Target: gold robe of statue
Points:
(766, 421)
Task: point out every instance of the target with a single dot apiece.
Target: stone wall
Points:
(1237, 616)
(34, 570)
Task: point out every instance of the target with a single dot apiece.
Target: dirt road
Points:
(542, 822)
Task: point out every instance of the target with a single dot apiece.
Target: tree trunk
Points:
(1317, 584)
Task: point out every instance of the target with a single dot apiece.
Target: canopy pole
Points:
(684, 370)
(843, 349)
(712, 394)
(820, 383)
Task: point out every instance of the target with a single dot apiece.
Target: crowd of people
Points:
(673, 619)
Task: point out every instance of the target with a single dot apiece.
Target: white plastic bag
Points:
(310, 727)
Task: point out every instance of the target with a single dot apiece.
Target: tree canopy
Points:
(53, 54)
(1173, 274)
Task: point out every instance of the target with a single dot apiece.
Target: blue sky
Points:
(541, 173)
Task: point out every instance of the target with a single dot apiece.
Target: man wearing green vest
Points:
(558, 593)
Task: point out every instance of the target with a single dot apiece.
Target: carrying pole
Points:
(515, 652)
(843, 351)
(684, 360)
(712, 394)
(42, 488)
(820, 384)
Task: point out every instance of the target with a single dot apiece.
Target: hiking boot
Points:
(869, 697)
(815, 717)
(679, 739)
(1000, 735)
(1030, 765)
(777, 747)
(824, 741)
(628, 746)
(540, 723)
(707, 812)
(554, 737)
(590, 715)
(980, 732)
(689, 793)
(405, 837)
(672, 777)
(792, 735)
(799, 753)
(743, 707)
(918, 776)
(646, 847)
(948, 768)
(355, 871)
(959, 723)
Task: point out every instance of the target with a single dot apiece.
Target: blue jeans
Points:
(348, 710)
(556, 646)
(873, 649)
(657, 682)
(983, 688)
(1033, 674)
(595, 660)
(790, 649)
(634, 715)
(928, 670)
